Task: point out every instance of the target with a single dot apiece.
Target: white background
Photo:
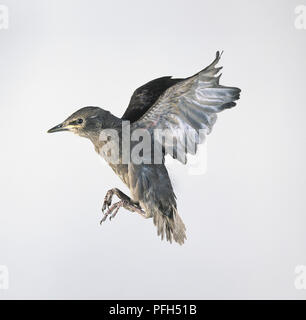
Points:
(245, 217)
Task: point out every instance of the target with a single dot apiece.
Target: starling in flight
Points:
(186, 109)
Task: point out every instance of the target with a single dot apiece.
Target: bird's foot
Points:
(127, 204)
(109, 197)
(112, 211)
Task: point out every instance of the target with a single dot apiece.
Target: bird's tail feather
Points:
(173, 228)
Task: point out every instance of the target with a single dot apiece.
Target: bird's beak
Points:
(60, 127)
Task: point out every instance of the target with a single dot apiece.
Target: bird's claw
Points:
(115, 211)
(103, 219)
(107, 201)
(112, 211)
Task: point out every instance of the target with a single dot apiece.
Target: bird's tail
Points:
(173, 228)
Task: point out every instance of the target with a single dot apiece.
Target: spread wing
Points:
(185, 108)
(145, 96)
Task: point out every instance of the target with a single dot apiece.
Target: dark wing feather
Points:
(145, 96)
(186, 108)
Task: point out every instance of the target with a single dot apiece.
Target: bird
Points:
(186, 109)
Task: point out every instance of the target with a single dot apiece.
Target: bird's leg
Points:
(109, 197)
(125, 202)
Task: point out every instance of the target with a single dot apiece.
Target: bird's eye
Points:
(79, 121)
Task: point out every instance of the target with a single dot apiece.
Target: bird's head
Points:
(83, 122)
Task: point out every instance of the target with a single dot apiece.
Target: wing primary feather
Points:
(192, 103)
